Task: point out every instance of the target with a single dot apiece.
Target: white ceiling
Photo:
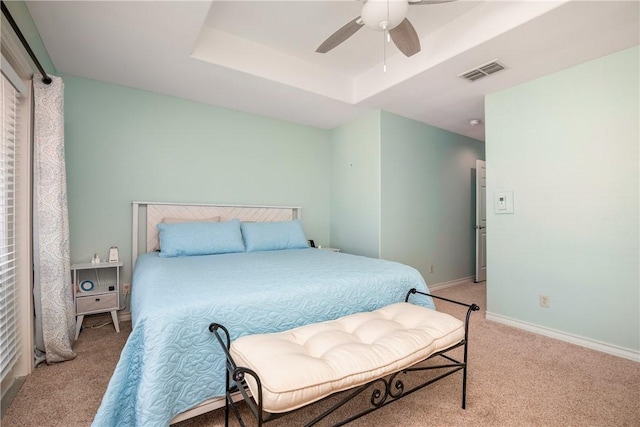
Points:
(259, 56)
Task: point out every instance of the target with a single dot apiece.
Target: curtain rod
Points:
(45, 78)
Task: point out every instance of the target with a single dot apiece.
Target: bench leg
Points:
(464, 387)
(226, 411)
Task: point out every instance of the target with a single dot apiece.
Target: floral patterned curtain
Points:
(53, 297)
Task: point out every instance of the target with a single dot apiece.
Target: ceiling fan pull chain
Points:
(386, 37)
(384, 51)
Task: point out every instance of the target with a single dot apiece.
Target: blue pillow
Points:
(200, 238)
(272, 236)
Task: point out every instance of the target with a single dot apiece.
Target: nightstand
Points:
(96, 289)
(330, 249)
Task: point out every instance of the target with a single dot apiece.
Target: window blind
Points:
(9, 338)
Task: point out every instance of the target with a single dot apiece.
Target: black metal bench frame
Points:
(385, 390)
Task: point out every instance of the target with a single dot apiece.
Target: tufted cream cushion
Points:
(305, 364)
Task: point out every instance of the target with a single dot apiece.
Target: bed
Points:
(171, 364)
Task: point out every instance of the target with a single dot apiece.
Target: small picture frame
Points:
(312, 243)
(113, 254)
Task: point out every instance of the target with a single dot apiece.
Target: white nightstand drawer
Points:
(96, 303)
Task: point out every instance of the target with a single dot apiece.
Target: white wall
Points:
(567, 146)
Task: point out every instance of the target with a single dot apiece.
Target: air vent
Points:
(482, 71)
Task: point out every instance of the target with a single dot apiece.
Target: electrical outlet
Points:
(545, 301)
(431, 269)
(126, 288)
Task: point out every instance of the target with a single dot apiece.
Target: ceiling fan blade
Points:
(420, 2)
(405, 38)
(341, 35)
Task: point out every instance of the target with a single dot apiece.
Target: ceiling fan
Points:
(383, 15)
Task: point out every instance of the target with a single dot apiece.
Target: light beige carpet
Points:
(516, 378)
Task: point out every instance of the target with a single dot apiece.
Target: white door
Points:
(481, 222)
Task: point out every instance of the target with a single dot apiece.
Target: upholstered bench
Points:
(288, 370)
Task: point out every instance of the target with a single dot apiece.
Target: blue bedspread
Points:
(172, 362)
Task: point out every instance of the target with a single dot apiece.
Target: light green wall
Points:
(428, 198)
(355, 186)
(567, 146)
(404, 191)
(125, 144)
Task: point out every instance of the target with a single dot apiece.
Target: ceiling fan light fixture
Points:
(388, 16)
(384, 15)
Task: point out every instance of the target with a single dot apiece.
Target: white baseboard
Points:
(451, 283)
(564, 336)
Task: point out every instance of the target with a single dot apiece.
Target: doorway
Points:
(481, 222)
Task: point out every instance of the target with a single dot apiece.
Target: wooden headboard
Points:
(146, 215)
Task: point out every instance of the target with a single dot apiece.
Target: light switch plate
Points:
(503, 202)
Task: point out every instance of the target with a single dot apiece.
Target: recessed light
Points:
(475, 122)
